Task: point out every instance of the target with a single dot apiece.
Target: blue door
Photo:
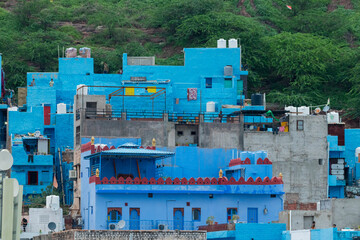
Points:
(134, 218)
(178, 219)
(252, 215)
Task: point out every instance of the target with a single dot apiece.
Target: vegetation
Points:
(298, 56)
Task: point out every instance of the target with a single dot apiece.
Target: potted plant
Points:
(210, 220)
(235, 218)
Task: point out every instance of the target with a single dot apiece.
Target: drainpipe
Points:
(290, 221)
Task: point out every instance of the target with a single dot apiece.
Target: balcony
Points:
(43, 160)
(155, 224)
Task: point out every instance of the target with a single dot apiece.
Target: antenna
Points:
(326, 108)
(6, 160)
(120, 224)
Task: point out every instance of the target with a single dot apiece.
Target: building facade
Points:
(141, 187)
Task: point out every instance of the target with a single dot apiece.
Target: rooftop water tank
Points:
(333, 117)
(228, 70)
(221, 43)
(303, 111)
(233, 43)
(81, 91)
(85, 52)
(71, 52)
(256, 99)
(53, 202)
(61, 108)
(210, 107)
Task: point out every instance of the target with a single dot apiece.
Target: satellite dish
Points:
(37, 133)
(326, 108)
(16, 187)
(120, 224)
(317, 110)
(52, 226)
(6, 160)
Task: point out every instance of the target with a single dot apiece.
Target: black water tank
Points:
(256, 99)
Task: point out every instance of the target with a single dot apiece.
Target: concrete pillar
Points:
(166, 117)
(123, 116)
(201, 118)
(7, 223)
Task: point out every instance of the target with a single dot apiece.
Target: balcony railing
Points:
(154, 224)
(176, 117)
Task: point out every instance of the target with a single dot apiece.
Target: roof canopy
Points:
(132, 151)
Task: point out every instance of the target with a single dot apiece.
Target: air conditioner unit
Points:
(112, 226)
(163, 227)
(72, 175)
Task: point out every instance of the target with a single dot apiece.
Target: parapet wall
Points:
(124, 235)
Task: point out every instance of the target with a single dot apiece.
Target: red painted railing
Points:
(191, 181)
(238, 161)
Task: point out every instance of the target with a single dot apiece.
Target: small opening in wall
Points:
(321, 161)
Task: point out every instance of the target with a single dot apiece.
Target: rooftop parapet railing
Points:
(184, 181)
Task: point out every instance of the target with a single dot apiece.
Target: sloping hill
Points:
(297, 51)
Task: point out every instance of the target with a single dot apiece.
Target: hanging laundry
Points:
(192, 94)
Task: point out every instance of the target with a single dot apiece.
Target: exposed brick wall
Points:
(288, 205)
(124, 235)
(218, 227)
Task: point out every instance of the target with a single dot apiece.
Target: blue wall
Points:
(251, 231)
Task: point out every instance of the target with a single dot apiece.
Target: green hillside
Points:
(298, 56)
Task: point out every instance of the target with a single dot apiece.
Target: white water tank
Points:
(61, 108)
(210, 107)
(221, 43)
(333, 117)
(301, 111)
(233, 43)
(53, 202)
(81, 91)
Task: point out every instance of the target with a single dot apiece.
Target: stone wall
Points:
(124, 235)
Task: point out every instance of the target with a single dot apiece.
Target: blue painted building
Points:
(148, 189)
(208, 75)
(344, 165)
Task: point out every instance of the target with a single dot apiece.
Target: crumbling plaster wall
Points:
(301, 156)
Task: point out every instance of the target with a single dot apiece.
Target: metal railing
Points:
(153, 224)
(176, 117)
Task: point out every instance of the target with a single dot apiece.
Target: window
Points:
(230, 213)
(33, 178)
(208, 82)
(193, 133)
(300, 125)
(78, 135)
(196, 214)
(228, 83)
(91, 105)
(114, 214)
(180, 133)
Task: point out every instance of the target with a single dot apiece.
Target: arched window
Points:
(114, 214)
